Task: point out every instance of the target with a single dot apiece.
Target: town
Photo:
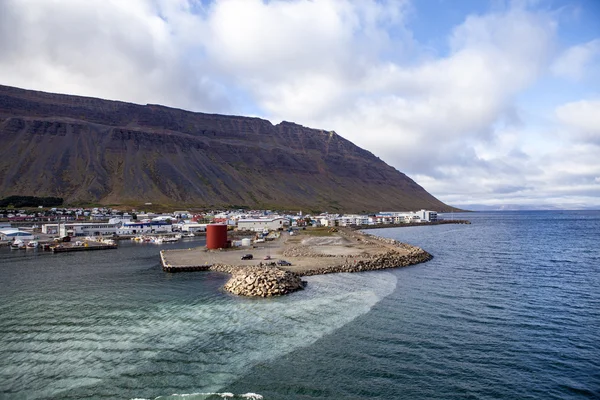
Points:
(29, 225)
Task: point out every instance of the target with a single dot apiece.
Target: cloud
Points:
(581, 119)
(299, 60)
(576, 62)
(113, 49)
(427, 117)
(453, 122)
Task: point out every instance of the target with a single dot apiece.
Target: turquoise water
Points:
(508, 308)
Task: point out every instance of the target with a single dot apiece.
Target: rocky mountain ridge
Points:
(90, 150)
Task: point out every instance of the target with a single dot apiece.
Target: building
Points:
(12, 234)
(193, 227)
(182, 214)
(144, 227)
(407, 217)
(426, 215)
(346, 220)
(326, 221)
(80, 229)
(260, 224)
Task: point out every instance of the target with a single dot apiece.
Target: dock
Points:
(181, 267)
(68, 249)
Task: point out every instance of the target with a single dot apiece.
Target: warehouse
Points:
(261, 224)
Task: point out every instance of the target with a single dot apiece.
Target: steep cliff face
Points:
(93, 150)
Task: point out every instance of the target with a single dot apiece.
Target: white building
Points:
(426, 215)
(346, 220)
(407, 217)
(11, 234)
(143, 227)
(260, 224)
(193, 227)
(326, 221)
(182, 214)
(80, 229)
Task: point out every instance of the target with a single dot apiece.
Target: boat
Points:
(17, 244)
(170, 239)
(189, 235)
(32, 244)
(108, 241)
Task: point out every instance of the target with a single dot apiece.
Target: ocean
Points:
(509, 308)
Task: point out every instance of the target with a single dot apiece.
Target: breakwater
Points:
(260, 281)
(389, 259)
(406, 224)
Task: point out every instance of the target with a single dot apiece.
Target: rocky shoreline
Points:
(268, 281)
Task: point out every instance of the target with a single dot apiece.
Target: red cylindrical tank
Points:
(216, 236)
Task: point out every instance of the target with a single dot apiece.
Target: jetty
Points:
(276, 267)
(421, 223)
(88, 246)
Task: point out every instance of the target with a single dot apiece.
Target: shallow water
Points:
(508, 308)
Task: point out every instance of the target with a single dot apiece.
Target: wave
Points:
(201, 396)
(197, 345)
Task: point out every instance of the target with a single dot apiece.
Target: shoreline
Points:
(340, 251)
(407, 224)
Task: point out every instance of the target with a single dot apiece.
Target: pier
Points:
(275, 267)
(182, 264)
(90, 247)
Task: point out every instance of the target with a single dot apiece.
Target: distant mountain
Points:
(526, 207)
(89, 150)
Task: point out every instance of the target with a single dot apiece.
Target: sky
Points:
(486, 104)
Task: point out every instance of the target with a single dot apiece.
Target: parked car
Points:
(247, 257)
(267, 257)
(284, 263)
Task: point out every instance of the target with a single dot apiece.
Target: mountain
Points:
(89, 150)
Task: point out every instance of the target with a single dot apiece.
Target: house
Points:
(182, 214)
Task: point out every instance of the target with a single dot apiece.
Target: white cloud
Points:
(447, 106)
(352, 67)
(576, 62)
(113, 49)
(581, 120)
(300, 59)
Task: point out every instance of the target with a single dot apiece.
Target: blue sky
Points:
(486, 104)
